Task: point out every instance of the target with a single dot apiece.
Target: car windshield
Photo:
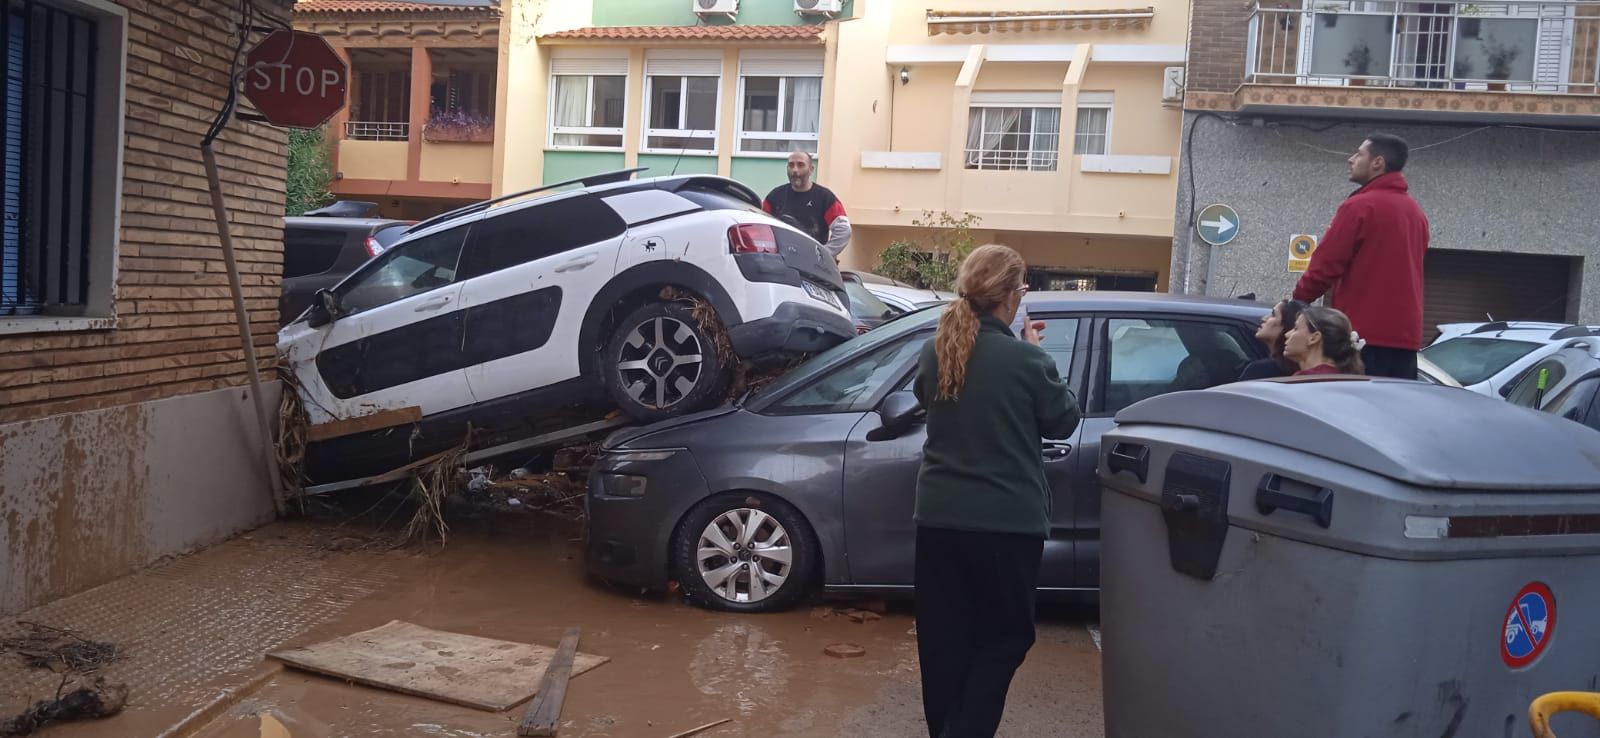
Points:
(1473, 360)
(864, 304)
(866, 342)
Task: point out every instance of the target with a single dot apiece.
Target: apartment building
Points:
(1499, 102)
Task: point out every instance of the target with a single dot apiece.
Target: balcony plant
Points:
(458, 126)
(1463, 71)
(1500, 57)
(1359, 62)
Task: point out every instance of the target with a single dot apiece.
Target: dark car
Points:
(319, 250)
(812, 479)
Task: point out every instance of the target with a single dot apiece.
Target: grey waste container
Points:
(1352, 558)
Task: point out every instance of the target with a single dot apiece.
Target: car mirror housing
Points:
(901, 412)
(324, 310)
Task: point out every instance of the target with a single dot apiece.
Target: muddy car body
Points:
(517, 315)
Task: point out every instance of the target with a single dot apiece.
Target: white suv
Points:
(501, 315)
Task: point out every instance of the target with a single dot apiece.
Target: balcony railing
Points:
(1036, 160)
(365, 130)
(1519, 46)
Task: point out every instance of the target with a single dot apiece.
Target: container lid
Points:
(1413, 432)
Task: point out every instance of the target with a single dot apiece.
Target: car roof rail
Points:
(593, 180)
(345, 209)
(1575, 331)
(1494, 327)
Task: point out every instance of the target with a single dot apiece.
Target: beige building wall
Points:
(897, 148)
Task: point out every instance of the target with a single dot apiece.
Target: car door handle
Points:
(574, 265)
(431, 305)
(1057, 450)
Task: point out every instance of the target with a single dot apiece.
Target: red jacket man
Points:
(1371, 260)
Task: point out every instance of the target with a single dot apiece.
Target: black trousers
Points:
(974, 603)
(1383, 361)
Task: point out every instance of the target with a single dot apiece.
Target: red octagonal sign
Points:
(296, 79)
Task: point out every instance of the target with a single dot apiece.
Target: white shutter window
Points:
(1050, 99)
(679, 66)
(589, 65)
(780, 63)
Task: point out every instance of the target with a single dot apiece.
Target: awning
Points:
(1019, 21)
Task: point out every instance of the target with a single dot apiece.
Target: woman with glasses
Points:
(1322, 342)
(1274, 327)
(983, 505)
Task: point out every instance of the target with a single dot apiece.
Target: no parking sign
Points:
(1530, 624)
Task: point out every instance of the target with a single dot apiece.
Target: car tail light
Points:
(752, 238)
(373, 247)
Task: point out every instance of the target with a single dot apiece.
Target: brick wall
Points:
(176, 333)
(1218, 30)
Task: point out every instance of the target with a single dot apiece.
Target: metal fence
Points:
(1011, 160)
(1522, 46)
(366, 130)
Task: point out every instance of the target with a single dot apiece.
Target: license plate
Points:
(820, 293)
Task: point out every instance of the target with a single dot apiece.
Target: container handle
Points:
(1130, 457)
(1271, 496)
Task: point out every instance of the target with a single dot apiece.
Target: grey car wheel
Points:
(661, 363)
(745, 553)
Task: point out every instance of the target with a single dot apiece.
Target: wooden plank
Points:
(394, 475)
(376, 421)
(544, 712)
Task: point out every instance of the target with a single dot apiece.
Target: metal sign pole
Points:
(219, 209)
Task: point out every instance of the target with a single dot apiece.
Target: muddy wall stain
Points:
(82, 496)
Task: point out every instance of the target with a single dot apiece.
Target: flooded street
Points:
(195, 631)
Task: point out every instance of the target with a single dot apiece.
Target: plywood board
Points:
(450, 667)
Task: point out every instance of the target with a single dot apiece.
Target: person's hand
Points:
(1034, 332)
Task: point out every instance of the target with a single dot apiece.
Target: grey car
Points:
(811, 480)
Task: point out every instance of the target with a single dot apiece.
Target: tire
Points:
(661, 364)
(717, 579)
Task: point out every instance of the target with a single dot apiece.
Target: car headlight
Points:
(622, 485)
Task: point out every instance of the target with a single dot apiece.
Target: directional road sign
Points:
(1217, 224)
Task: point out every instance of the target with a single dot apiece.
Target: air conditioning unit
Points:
(729, 8)
(1172, 85)
(818, 7)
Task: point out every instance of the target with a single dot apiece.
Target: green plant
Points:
(931, 263)
(309, 172)
(1359, 60)
(1500, 57)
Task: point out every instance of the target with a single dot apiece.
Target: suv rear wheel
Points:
(661, 363)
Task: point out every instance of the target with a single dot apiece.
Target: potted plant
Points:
(1500, 57)
(1359, 62)
(458, 126)
(1463, 71)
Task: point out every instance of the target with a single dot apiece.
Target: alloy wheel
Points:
(744, 555)
(661, 362)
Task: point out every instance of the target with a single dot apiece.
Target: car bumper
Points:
(793, 328)
(630, 537)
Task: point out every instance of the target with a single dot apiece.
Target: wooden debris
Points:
(544, 712)
(701, 729)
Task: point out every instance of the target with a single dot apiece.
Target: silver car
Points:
(811, 480)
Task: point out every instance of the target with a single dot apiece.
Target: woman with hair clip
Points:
(983, 505)
(1322, 342)
(1274, 328)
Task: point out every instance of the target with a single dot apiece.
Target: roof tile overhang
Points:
(795, 33)
(393, 7)
(1019, 21)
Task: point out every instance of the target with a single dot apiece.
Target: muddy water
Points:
(673, 667)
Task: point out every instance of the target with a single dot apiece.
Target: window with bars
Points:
(382, 109)
(48, 137)
(1093, 136)
(587, 110)
(1013, 138)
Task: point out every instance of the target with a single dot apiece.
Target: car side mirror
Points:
(324, 310)
(901, 412)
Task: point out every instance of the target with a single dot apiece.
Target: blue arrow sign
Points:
(1217, 224)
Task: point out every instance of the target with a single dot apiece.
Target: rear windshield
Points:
(310, 250)
(864, 304)
(387, 235)
(1473, 360)
(713, 200)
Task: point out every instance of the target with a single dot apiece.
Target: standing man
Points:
(1371, 259)
(810, 207)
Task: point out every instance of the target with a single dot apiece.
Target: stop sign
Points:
(296, 79)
